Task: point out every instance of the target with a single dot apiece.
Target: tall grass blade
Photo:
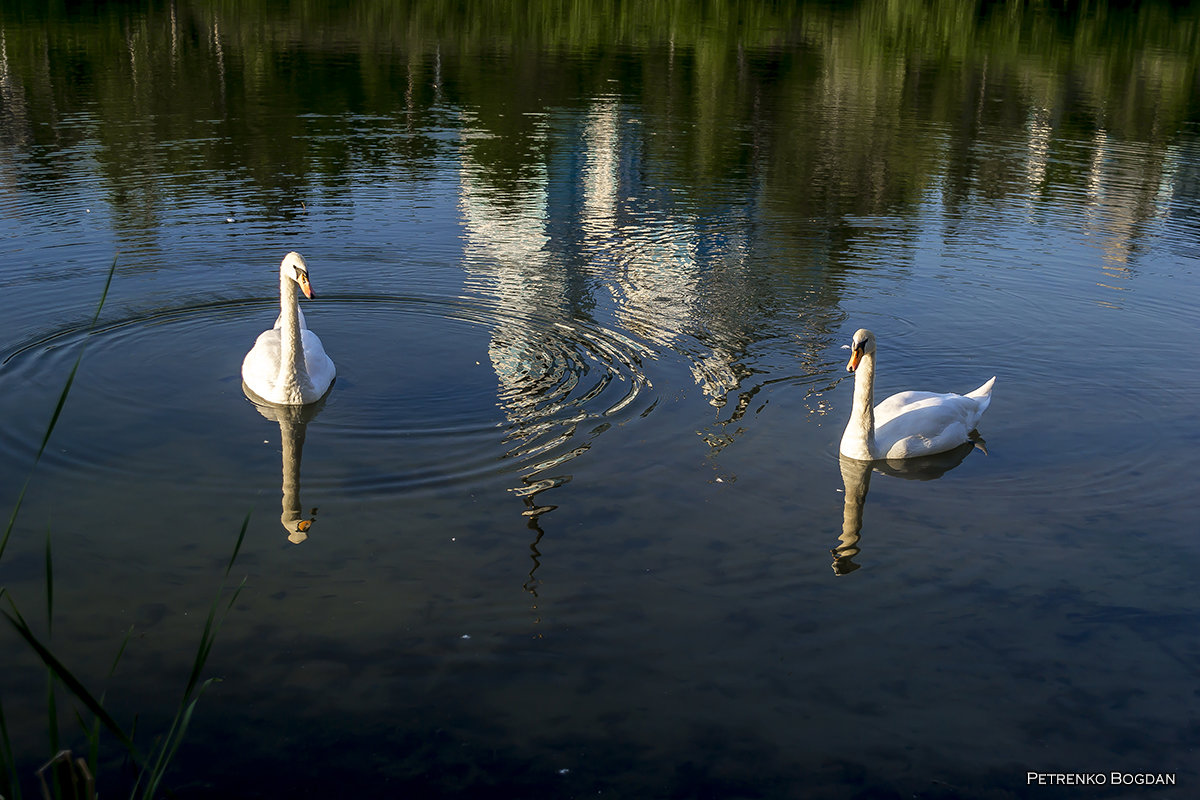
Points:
(62, 400)
(12, 518)
(201, 653)
(120, 651)
(51, 698)
(8, 765)
(91, 731)
(172, 742)
(51, 711)
(69, 680)
(56, 671)
(211, 626)
(49, 588)
(112, 270)
(238, 547)
(153, 774)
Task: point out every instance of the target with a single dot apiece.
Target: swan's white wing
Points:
(319, 366)
(910, 424)
(905, 401)
(260, 368)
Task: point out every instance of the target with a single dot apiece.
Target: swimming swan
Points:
(907, 424)
(287, 365)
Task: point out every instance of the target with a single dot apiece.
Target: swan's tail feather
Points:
(984, 391)
(983, 394)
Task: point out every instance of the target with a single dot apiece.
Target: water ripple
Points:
(430, 390)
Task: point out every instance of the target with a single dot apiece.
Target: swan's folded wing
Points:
(318, 365)
(263, 359)
(926, 443)
(902, 402)
(918, 423)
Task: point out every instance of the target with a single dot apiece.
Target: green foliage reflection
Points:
(796, 95)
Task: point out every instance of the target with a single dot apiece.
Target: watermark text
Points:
(1100, 778)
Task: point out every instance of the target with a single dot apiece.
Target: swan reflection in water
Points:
(856, 476)
(293, 424)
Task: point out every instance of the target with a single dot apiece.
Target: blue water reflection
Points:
(586, 278)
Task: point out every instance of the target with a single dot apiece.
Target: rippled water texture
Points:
(572, 519)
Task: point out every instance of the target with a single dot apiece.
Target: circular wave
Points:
(1074, 424)
(430, 390)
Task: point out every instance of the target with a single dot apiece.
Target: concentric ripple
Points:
(430, 391)
(466, 388)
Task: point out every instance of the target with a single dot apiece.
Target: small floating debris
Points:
(465, 636)
(230, 219)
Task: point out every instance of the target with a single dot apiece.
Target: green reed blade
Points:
(171, 744)
(237, 547)
(201, 653)
(8, 765)
(49, 587)
(91, 732)
(69, 680)
(12, 518)
(51, 711)
(120, 651)
(104, 294)
(211, 626)
(62, 400)
(55, 669)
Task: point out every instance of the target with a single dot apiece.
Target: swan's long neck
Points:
(859, 438)
(291, 349)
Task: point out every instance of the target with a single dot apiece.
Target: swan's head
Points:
(862, 344)
(294, 268)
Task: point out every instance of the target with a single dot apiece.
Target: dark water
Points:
(580, 523)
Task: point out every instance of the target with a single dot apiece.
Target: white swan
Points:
(287, 365)
(907, 424)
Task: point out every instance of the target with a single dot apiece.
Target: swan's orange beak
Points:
(855, 356)
(305, 286)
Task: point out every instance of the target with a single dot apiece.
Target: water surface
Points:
(574, 520)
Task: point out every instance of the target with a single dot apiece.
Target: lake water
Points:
(576, 523)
